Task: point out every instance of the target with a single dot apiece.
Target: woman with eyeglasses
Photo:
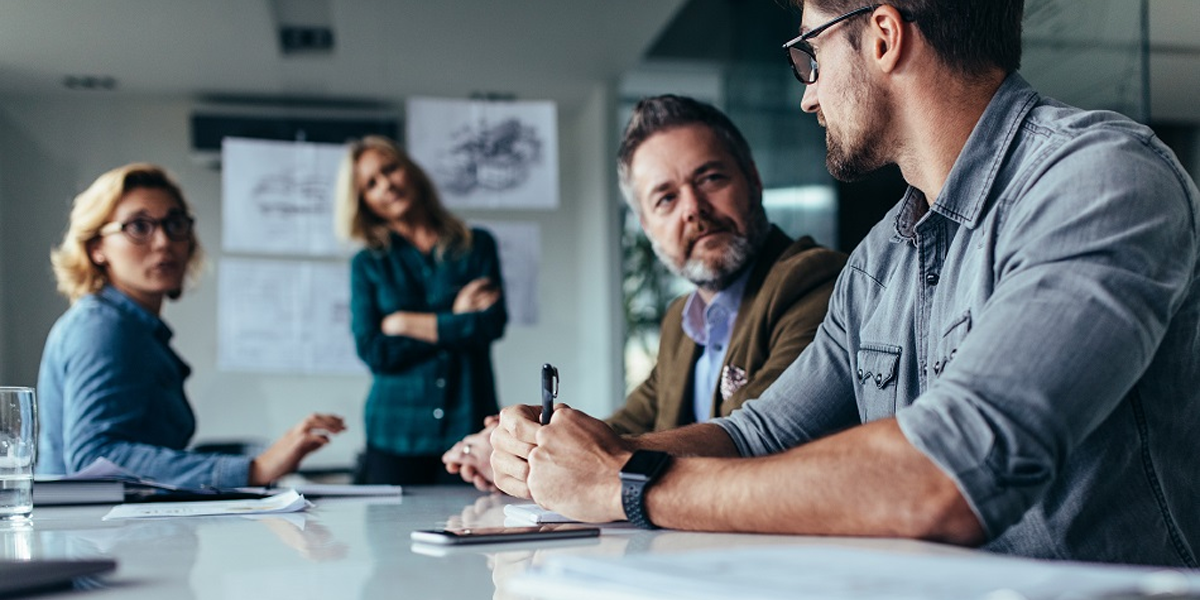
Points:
(110, 386)
(426, 305)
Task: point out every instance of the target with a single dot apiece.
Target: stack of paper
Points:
(832, 573)
(284, 502)
(104, 482)
(54, 491)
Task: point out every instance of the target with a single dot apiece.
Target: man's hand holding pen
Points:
(569, 466)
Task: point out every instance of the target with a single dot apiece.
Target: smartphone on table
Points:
(491, 535)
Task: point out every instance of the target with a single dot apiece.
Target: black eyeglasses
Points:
(800, 53)
(177, 226)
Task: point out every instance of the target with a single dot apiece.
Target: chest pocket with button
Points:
(947, 346)
(875, 375)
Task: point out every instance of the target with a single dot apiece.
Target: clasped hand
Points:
(570, 466)
(471, 457)
(478, 295)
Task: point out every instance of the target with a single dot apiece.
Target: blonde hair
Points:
(356, 221)
(76, 274)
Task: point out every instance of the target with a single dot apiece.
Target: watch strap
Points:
(638, 474)
(633, 499)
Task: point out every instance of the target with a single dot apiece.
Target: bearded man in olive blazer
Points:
(688, 174)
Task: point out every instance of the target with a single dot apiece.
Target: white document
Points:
(278, 197)
(283, 502)
(834, 573)
(487, 154)
(285, 317)
(524, 515)
(532, 513)
(520, 247)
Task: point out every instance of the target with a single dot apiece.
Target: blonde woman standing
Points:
(110, 385)
(426, 305)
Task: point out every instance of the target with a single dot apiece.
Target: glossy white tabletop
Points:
(341, 548)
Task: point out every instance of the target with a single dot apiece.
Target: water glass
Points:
(18, 451)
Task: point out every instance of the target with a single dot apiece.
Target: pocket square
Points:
(732, 380)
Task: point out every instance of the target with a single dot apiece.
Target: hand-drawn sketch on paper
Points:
(284, 317)
(487, 154)
(520, 247)
(277, 197)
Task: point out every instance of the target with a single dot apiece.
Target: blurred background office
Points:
(86, 86)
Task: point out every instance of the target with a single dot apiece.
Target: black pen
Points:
(549, 391)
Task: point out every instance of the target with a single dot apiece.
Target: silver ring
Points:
(466, 449)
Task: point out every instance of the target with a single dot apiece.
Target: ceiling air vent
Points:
(103, 83)
(305, 40)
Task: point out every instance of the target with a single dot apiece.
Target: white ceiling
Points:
(384, 49)
(389, 49)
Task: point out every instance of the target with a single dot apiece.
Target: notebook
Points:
(517, 515)
(24, 577)
(54, 491)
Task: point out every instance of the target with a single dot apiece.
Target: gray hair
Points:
(659, 113)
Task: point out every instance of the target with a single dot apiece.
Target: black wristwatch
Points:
(642, 469)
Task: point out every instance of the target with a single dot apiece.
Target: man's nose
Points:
(808, 103)
(695, 205)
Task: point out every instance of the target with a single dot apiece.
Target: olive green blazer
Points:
(784, 301)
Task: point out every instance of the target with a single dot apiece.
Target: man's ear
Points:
(887, 36)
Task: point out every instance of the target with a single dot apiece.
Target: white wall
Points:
(50, 149)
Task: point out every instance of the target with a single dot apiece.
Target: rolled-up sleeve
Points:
(1083, 296)
(478, 329)
(380, 352)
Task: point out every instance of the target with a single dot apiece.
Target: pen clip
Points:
(554, 375)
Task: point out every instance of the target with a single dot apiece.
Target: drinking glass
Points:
(18, 451)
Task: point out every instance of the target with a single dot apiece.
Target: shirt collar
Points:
(135, 311)
(970, 181)
(696, 311)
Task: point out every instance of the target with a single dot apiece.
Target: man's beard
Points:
(728, 265)
(860, 150)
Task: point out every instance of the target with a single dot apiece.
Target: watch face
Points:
(644, 464)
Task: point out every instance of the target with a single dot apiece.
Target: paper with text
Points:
(283, 502)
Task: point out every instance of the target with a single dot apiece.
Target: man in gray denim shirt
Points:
(1011, 356)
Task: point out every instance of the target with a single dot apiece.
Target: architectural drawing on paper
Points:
(494, 157)
(486, 154)
(291, 192)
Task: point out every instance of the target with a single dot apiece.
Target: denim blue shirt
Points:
(1035, 333)
(111, 386)
(710, 326)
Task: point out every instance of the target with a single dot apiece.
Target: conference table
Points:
(339, 548)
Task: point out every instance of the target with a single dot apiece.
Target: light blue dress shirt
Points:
(1035, 333)
(111, 386)
(711, 325)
